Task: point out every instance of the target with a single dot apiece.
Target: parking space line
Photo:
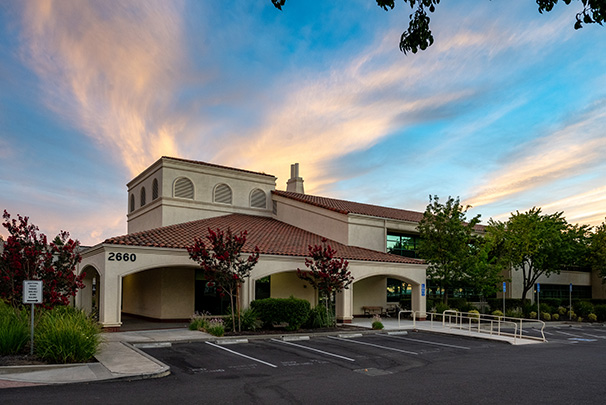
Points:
(242, 355)
(429, 343)
(371, 344)
(568, 334)
(315, 350)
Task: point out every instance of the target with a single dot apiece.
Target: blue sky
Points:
(507, 110)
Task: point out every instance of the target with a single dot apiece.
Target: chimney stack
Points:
(295, 183)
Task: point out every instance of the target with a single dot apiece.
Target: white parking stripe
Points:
(429, 343)
(315, 350)
(371, 344)
(242, 355)
(568, 334)
(548, 333)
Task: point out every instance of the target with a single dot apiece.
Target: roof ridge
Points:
(199, 162)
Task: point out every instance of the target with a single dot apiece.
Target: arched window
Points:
(223, 194)
(142, 196)
(258, 199)
(184, 188)
(132, 202)
(155, 189)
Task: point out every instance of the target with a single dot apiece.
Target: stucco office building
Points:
(148, 272)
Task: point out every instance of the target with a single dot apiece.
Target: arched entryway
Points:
(88, 298)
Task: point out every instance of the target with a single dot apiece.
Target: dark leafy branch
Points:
(418, 36)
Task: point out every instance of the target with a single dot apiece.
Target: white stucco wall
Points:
(371, 291)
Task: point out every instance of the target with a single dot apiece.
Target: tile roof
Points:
(196, 162)
(270, 235)
(350, 207)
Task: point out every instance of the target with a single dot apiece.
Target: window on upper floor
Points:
(142, 196)
(155, 189)
(258, 199)
(403, 244)
(222, 194)
(184, 188)
(132, 202)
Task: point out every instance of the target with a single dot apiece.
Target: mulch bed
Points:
(21, 360)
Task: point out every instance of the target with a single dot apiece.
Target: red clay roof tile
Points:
(270, 235)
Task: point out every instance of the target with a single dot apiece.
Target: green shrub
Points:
(545, 308)
(14, 329)
(532, 315)
(318, 318)
(458, 303)
(66, 335)
(198, 322)
(561, 311)
(583, 308)
(249, 320)
(474, 314)
(546, 316)
(216, 327)
(514, 313)
(555, 317)
(579, 319)
(441, 307)
(600, 311)
(592, 317)
(377, 325)
(497, 313)
(572, 315)
(552, 302)
(293, 311)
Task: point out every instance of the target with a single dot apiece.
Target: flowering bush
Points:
(592, 317)
(555, 317)
(28, 255)
(376, 322)
(215, 327)
(546, 316)
(198, 321)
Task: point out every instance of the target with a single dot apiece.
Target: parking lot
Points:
(417, 367)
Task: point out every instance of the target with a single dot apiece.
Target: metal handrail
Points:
(414, 319)
(455, 319)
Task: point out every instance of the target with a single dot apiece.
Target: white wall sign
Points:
(32, 292)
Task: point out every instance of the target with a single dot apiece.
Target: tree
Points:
(598, 250)
(538, 244)
(28, 256)
(224, 264)
(449, 244)
(418, 36)
(327, 274)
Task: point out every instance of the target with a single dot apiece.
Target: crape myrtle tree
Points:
(326, 273)
(28, 255)
(539, 244)
(455, 253)
(224, 264)
(418, 36)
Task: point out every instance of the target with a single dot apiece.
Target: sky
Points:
(507, 110)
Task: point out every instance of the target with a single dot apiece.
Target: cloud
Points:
(110, 69)
(574, 150)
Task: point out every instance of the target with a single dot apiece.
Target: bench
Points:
(372, 310)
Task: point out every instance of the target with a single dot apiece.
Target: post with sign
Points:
(32, 294)
(538, 301)
(504, 291)
(570, 303)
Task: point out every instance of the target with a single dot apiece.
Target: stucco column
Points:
(110, 300)
(246, 293)
(419, 300)
(344, 303)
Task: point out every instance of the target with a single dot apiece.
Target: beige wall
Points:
(204, 179)
(283, 285)
(329, 224)
(166, 293)
(371, 291)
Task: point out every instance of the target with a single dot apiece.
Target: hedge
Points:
(293, 311)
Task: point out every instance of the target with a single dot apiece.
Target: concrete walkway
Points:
(119, 355)
(118, 358)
